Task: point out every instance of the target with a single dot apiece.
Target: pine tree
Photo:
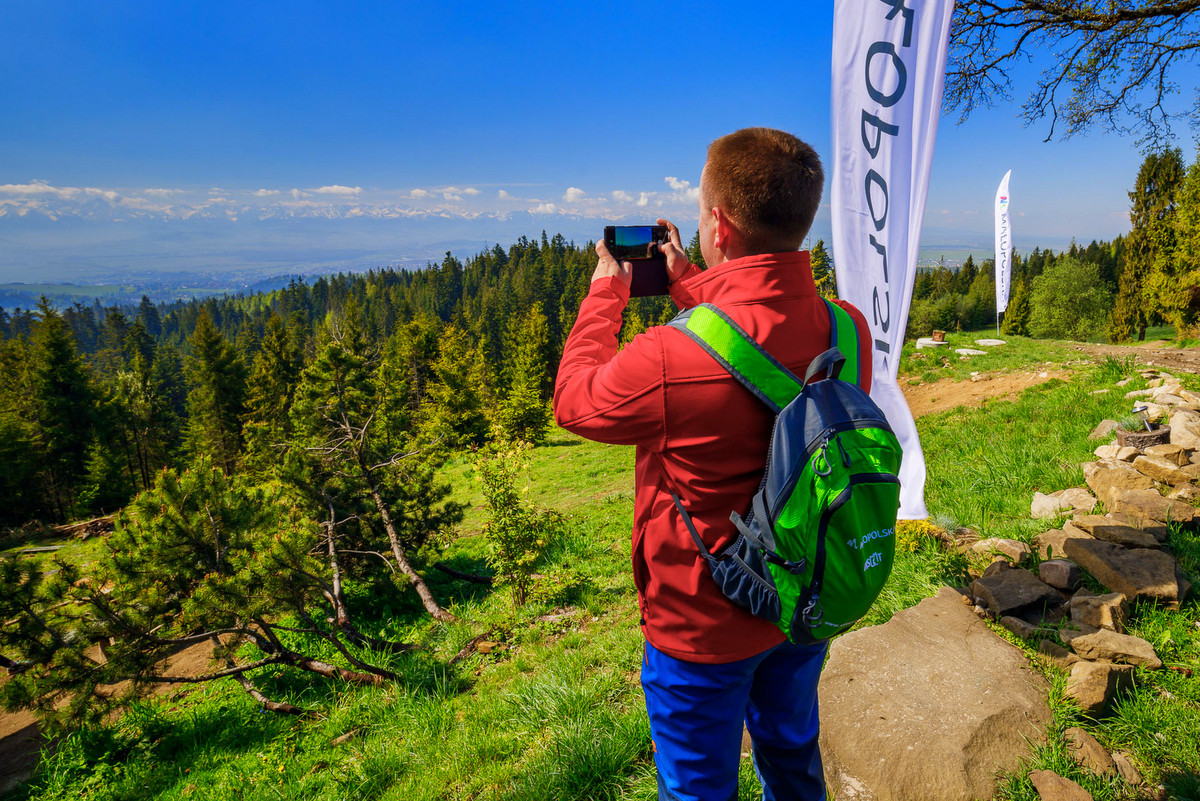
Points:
(1016, 316)
(1151, 243)
(694, 254)
(524, 414)
(823, 272)
(216, 400)
(453, 416)
(270, 391)
(64, 409)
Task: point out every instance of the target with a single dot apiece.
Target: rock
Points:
(1052, 787)
(1106, 477)
(929, 342)
(1104, 429)
(1050, 544)
(1068, 635)
(1109, 646)
(1107, 451)
(1154, 529)
(1012, 550)
(1080, 499)
(1169, 399)
(1108, 531)
(1147, 506)
(1160, 469)
(1137, 573)
(1087, 751)
(914, 728)
(1057, 654)
(1190, 398)
(1046, 506)
(1172, 453)
(990, 343)
(1188, 493)
(1185, 586)
(1185, 429)
(1060, 574)
(1142, 393)
(970, 352)
(1124, 382)
(998, 565)
(1126, 769)
(1094, 685)
(1099, 611)
(1013, 591)
(1022, 628)
(1127, 453)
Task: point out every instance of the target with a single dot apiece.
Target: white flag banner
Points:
(1003, 246)
(889, 65)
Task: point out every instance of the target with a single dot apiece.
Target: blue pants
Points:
(696, 714)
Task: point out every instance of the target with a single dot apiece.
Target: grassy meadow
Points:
(553, 709)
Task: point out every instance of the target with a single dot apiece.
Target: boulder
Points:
(1087, 751)
(1022, 628)
(915, 727)
(1013, 591)
(1060, 574)
(1109, 646)
(1052, 787)
(1107, 476)
(1185, 429)
(1094, 685)
(1060, 656)
(1050, 544)
(1188, 493)
(1012, 550)
(1161, 469)
(1099, 611)
(1126, 769)
(1080, 499)
(1147, 506)
(1101, 528)
(1046, 506)
(1136, 573)
(1103, 430)
(1172, 453)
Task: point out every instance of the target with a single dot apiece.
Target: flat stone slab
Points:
(927, 707)
(1135, 573)
(1147, 507)
(970, 352)
(1109, 646)
(929, 342)
(1101, 528)
(1052, 787)
(990, 343)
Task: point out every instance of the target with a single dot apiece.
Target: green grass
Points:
(558, 712)
(928, 365)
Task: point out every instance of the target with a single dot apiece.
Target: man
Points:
(710, 666)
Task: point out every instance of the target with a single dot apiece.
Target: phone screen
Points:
(634, 241)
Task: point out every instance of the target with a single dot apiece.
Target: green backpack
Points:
(817, 544)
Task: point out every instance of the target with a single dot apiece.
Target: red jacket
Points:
(698, 432)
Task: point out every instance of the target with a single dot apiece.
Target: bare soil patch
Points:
(942, 395)
(1150, 354)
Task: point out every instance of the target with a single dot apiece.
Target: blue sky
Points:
(419, 125)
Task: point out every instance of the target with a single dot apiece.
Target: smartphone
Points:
(640, 245)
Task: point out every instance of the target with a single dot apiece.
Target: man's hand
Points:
(677, 258)
(607, 265)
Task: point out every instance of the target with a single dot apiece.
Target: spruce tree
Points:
(216, 401)
(823, 272)
(270, 390)
(1016, 316)
(524, 414)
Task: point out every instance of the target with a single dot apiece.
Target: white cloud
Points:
(470, 190)
(643, 199)
(168, 192)
(297, 194)
(621, 196)
(265, 192)
(573, 194)
(544, 208)
(452, 197)
(338, 189)
(677, 184)
(502, 194)
(418, 193)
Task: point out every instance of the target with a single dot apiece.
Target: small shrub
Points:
(517, 533)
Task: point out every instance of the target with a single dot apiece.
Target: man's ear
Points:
(723, 229)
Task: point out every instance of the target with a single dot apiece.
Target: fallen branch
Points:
(469, 648)
(474, 578)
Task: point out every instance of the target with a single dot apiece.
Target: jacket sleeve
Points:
(604, 394)
(679, 290)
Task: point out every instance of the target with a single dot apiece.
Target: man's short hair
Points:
(769, 183)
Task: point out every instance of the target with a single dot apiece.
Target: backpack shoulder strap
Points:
(843, 335)
(737, 352)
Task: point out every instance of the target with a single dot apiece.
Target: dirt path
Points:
(21, 741)
(1151, 354)
(942, 395)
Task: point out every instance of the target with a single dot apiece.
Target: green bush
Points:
(1069, 301)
